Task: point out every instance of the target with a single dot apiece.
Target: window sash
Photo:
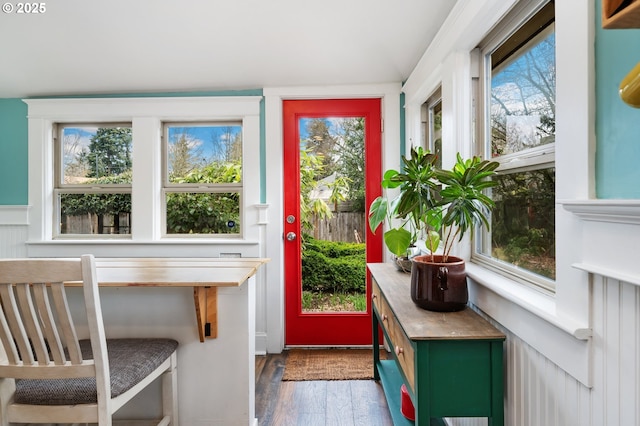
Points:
(167, 183)
(59, 163)
(529, 159)
(220, 189)
(433, 136)
(61, 188)
(57, 213)
(170, 187)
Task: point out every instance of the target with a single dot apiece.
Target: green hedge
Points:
(333, 266)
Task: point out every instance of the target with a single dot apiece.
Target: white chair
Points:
(49, 376)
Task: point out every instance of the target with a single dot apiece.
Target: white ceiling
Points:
(135, 46)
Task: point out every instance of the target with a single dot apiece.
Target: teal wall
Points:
(14, 178)
(14, 181)
(617, 124)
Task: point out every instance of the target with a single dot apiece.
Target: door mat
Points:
(329, 364)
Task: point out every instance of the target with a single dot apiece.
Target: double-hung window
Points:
(92, 191)
(519, 132)
(144, 172)
(203, 178)
(431, 113)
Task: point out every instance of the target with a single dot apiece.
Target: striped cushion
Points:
(130, 361)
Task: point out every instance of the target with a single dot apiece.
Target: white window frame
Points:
(428, 120)
(146, 116)
(536, 158)
(63, 188)
(209, 188)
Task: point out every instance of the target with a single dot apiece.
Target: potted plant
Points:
(442, 206)
(412, 210)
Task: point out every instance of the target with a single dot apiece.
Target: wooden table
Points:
(205, 275)
(451, 363)
(145, 297)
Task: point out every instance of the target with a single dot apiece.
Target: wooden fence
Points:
(347, 226)
(343, 226)
(96, 224)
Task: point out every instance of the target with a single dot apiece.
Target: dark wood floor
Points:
(315, 403)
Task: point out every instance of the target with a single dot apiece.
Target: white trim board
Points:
(14, 215)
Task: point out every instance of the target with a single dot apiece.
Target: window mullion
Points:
(146, 185)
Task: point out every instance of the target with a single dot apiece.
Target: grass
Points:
(333, 302)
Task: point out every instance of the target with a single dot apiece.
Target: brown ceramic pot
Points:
(439, 286)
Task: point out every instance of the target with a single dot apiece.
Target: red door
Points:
(331, 327)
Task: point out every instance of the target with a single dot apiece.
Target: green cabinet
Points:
(451, 363)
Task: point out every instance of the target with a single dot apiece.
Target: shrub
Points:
(333, 266)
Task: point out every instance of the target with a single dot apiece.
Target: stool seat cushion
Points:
(130, 361)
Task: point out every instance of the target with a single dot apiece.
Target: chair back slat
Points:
(8, 343)
(17, 331)
(65, 322)
(48, 323)
(32, 328)
(31, 321)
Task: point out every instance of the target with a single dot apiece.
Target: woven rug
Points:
(329, 364)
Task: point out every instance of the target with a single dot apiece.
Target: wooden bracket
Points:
(206, 302)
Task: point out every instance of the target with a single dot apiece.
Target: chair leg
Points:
(7, 389)
(170, 392)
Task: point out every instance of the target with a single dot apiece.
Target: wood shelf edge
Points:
(629, 17)
(206, 304)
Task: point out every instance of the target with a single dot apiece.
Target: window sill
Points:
(128, 241)
(608, 272)
(537, 303)
(197, 247)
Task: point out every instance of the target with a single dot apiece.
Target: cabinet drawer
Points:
(398, 341)
(375, 295)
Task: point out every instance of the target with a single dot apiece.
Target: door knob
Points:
(291, 236)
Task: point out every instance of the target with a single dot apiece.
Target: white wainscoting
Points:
(12, 241)
(539, 393)
(14, 221)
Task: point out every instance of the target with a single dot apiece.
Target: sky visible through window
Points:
(205, 144)
(522, 94)
(334, 124)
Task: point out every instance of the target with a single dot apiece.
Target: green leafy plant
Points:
(414, 206)
(462, 195)
(432, 202)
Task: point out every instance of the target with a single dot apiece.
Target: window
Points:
(519, 133)
(203, 178)
(432, 125)
(139, 196)
(92, 193)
